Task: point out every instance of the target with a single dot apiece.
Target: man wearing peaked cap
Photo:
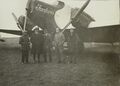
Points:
(37, 40)
(35, 28)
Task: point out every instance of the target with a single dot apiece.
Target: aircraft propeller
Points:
(25, 21)
(14, 16)
(76, 15)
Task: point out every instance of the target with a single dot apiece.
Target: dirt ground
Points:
(92, 69)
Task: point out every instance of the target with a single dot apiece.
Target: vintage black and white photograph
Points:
(59, 43)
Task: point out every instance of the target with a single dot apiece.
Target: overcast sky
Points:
(105, 12)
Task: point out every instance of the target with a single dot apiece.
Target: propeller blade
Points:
(14, 16)
(17, 22)
(25, 21)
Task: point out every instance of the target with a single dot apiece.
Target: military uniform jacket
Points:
(25, 42)
(37, 41)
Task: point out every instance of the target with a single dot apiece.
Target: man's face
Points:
(46, 34)
(71, 30)
(36, 31)
(57, 30)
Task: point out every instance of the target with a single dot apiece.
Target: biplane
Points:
(43, 15)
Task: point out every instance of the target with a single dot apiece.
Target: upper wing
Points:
(14, 32)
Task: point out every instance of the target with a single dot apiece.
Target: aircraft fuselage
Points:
(42, 14)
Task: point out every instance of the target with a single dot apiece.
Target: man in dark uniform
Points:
(25, 46)
(73, 45)
(37, 40)
(47, 46)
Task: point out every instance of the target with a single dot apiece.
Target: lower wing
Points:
(14, 32)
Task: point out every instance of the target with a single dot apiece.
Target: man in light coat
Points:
(58, 44)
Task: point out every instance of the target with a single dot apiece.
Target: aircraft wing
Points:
(105, 34)
(108, 33)
(14, 32)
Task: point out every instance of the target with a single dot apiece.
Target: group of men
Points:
(43, 44)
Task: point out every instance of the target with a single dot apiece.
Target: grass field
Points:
(92, 69)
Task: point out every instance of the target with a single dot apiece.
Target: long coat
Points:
(37, 41)
(73, 43)
(59, 39)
